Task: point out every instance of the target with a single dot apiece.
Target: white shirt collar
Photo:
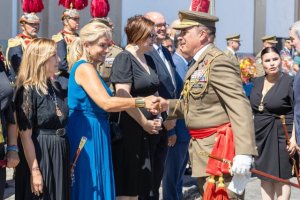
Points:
(200, 52)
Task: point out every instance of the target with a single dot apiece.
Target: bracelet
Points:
(139, 103)
(12, 148)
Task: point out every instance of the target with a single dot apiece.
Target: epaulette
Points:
(58, 37)
(215, 52)
(116, 47)
(13, 42)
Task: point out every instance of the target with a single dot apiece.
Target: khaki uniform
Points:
(258, 64)
(234, 58)
(105, 68)
(213, 95)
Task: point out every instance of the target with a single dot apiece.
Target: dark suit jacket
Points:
(166, 88)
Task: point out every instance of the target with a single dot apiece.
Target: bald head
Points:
(160, 25)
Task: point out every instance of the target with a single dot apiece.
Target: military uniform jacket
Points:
(232, 56)
(258, 64)
(63, 41)
(216, 97)
(105, 68)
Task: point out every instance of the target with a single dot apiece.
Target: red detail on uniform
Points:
(1, 56)
(210, 191)
(223, 148)
(200, 5)
(221, 194)
(99, 8)
(30, 6)
(76, 4)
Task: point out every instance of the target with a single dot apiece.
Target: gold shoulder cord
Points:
(187, 88)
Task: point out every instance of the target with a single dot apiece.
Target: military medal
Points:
(261, 107)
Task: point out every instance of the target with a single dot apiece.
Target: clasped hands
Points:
(156, 105)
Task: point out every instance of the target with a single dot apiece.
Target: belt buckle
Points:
(60, 132)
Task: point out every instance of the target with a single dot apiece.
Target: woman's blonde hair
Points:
(33, 70)
(90, 33)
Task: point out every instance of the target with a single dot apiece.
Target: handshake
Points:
(155, 104)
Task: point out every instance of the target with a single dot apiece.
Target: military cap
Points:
(70, 13)
(270, 39)
(194, 18)
(235, 38)
(104, 20)
(29, 18)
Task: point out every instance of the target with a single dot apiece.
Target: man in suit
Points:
(177, 156)
(233, 45)
(214, 106)
(30, 24)
(268, 41)
(295, 39)
(167, 89)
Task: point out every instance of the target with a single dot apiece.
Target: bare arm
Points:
(86, 76)
(12, 156)
(29, 151)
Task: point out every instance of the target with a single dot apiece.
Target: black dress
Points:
(273, 157)
(37, 112)
(129, 154)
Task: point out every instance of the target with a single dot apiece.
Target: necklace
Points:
(57, 109)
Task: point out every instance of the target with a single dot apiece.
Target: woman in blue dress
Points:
(89, 100)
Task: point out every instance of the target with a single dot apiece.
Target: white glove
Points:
(238, 183)
(241, 164)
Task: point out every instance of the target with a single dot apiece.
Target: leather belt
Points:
(59, 132)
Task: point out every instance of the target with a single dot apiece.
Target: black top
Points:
(36, 110)
(127, 69)
(269, 134)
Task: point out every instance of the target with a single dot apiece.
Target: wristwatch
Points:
(140, 103)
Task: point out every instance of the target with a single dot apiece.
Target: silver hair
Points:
(296, 27)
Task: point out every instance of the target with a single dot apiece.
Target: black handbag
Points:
(115, 129)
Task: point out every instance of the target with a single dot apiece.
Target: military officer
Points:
(233, 45)
(70, 19)
(30, 24)
(213, 104)
(268, 41)
(105, 67)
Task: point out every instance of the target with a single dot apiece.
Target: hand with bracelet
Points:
(12, 156)
(36, 181)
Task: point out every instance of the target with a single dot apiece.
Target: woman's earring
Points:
(88, 57)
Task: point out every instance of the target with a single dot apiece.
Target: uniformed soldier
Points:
(30, 24)
(105, 68)
(233, 45)
(268, 41)
(64, 39)
(213, 104)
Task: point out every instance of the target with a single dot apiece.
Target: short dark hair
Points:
(138, 29)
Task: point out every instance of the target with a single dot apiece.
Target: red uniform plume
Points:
(34, 6)
(73, 4)
(99, 8)
(200, 5)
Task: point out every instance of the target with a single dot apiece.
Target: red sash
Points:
(223, 148)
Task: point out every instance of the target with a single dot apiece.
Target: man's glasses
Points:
(161, 25)
(32, 24)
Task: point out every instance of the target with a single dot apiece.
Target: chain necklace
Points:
(57, 109)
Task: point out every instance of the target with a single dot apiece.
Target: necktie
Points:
(191, 62)
(162, 56)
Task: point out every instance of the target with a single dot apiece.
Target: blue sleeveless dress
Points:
(94, 178)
